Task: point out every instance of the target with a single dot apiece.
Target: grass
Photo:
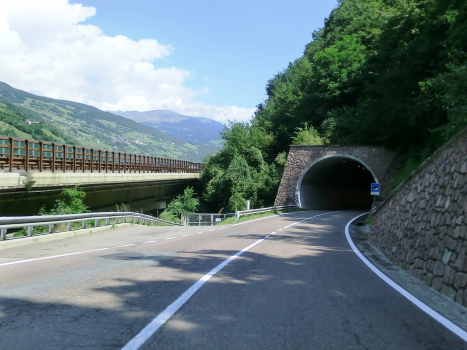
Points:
(231, 220)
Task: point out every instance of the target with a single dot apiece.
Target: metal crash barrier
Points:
(49, 221)
(261, 210)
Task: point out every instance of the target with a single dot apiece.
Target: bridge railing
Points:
(239, 213)
(30, 222)
(28, 155)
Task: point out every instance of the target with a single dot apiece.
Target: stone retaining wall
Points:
(422, 225)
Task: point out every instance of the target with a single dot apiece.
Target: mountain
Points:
(193, 129)
(88, 126)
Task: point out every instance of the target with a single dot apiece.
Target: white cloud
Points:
(45, 49)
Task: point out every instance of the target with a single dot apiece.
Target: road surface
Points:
(300, 288)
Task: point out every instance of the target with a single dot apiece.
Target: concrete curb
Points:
(19, 242)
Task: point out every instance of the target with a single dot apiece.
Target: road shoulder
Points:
(419, 289)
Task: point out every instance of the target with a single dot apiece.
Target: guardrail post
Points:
(51, 228)
(41, 155)
(84, 223)
(26, 159)
(64, 159)
(96, 223)
(68, 226)
(2, 234)
(107, 221)
(10, 158)
(124, 220)
(53, 157)
(212, 219)
(30, 228)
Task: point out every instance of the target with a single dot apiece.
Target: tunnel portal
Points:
(336, 183)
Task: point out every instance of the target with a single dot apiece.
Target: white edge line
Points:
(51, 257)
(170, 238)
(149, 242)
(165, 315)
(425, 308)
(126, 245)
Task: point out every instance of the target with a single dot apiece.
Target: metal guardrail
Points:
(205, 219)
(50, 220)
(261, 210)
(26, 155)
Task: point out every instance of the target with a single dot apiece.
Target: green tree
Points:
(184, 204)
(307, 136)
(71, 204)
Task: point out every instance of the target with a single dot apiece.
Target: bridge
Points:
(333, 177)
(34, 172)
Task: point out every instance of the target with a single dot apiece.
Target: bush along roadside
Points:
(72, 203)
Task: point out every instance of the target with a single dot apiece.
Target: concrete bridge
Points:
(33, 173)
(333, 177)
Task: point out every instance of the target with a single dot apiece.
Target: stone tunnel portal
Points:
(336, 183)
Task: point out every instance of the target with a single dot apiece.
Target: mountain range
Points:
(88, 126)
(193, 129)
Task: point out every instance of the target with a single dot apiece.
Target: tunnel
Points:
(336, 183)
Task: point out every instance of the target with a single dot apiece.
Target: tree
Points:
(184, 204)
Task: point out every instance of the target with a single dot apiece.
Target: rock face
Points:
(376, 158)
(422, 225)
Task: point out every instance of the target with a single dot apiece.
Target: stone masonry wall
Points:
(377, 158)
(422, 225)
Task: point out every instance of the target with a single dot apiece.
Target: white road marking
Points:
(267, 236)
(126, 245)
(199, 232)
(150, 242)
(425, 308)
(170, 238)
(51, 257)
(279, 229)
(165, 315)
(273, 233)
(186, 235)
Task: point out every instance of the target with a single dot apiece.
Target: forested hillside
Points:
(91, 127)
(381, 72)
(11, 124)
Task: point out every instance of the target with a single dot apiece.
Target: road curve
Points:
(300, 288)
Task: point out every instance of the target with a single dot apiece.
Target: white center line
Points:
(170, 238)
(187, 235)
(165, 315)
(126, 245)
(150, 242)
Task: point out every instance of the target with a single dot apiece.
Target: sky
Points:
(201, 58)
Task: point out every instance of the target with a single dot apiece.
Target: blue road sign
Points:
(375, 189)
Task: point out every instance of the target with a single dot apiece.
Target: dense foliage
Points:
(382, 72)
(185, 203)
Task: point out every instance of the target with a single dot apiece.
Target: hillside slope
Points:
(91, 127)
(192, 129)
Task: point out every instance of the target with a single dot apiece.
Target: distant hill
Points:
(88, 126)
(193, 129)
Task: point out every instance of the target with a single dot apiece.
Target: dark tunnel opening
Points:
(337, 183)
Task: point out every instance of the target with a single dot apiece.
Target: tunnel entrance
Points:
(336, 183)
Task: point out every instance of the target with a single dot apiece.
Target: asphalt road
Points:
(301, 288)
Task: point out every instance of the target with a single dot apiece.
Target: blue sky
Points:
(211, 58)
